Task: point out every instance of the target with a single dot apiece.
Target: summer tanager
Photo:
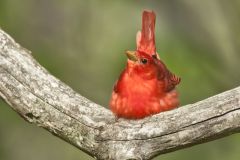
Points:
(146, 86)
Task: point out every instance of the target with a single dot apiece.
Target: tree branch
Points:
(42, 99)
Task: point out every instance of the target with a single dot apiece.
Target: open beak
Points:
(131, 55)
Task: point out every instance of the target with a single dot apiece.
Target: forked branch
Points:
(42, 99)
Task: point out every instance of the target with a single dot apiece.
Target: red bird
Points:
(146, 86)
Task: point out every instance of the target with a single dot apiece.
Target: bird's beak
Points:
(131, 55)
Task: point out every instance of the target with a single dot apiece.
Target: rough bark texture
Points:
(42, 99)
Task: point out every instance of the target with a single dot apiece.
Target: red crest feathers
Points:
(146, 38)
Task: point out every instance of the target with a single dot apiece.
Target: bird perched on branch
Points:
(146, 86)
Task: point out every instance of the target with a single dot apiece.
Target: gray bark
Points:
(44, 100)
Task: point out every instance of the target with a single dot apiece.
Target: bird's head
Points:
(150, 67)
(145, 62)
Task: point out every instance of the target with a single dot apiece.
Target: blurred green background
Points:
(82, 43)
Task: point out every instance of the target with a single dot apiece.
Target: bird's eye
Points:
(144, 60)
